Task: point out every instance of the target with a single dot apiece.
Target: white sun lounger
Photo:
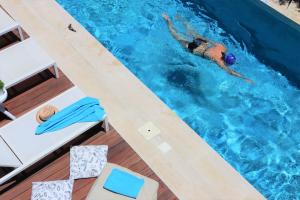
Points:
(7, 24)
(23, 60)
(8, 158)
(23, 148)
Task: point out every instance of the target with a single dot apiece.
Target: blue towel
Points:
(123, 183)
(85, 110)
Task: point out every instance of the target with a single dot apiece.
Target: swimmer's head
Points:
(229, 59)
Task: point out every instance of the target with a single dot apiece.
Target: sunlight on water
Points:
(254, 127)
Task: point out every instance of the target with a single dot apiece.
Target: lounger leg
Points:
(56, 70)
(8, 176)
(9, 115)
(3, 180)
(106, 125)
(21, 33)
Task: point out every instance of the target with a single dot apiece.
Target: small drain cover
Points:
(149, 130)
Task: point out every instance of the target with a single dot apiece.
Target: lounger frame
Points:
(22, 61)
(10, 24)
(53, 148)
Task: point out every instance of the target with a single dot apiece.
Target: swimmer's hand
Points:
(249, 81)
(166, 17)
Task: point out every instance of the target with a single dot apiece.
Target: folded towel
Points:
(123, 183)
(85, 110)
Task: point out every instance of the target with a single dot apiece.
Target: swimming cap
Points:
(229, 59)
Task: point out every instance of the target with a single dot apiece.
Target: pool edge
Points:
(284, 12)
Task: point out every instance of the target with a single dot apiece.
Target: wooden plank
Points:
(8, 39)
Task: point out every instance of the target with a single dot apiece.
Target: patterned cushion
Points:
(87, 161)
(52, 190)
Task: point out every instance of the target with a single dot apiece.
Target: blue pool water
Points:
(254, 127)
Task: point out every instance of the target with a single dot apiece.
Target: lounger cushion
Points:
(123, 183)
(52, 190)
(87, 161)
(7, 158)
(22, 60)
(148, 191)
(22, 131)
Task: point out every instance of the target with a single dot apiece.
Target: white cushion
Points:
(52, 190)
(7, 158)
(87, 161)
(22, 130)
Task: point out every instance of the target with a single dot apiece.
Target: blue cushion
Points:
(123, 183)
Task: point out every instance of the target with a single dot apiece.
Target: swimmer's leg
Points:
(190, 30)
(178, 37)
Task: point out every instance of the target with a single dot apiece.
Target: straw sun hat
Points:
(45, 113)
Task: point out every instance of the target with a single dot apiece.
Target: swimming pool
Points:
(254, 127)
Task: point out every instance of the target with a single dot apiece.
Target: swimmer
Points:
(205, 48)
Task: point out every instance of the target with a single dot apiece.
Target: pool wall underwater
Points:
(270, 36)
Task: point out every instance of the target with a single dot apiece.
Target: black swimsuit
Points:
(195, 43)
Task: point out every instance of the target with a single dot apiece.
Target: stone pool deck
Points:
(187, 165)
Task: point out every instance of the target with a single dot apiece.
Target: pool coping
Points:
(170, 153)
(281, 9)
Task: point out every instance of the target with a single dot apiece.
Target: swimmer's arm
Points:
(233, 73)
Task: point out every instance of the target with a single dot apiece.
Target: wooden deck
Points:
(33, 92)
